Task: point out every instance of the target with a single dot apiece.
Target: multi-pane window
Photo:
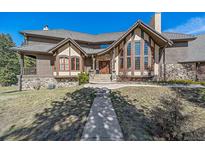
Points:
(66, 60)
(145, 55)
(75, 63)
(137, 55)
(121, 60)
(64, 63)
(129, 55)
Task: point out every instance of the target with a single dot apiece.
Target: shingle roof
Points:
(106, 37)
(177, 36)
(196, 50)
(35, 48)
(46, 47)
(91, 51)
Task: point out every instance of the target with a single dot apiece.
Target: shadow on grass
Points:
(9, 92)
(193, 95)
(163, 122)
(64, 120)
(132, 119)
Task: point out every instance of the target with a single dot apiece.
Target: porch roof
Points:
(42, 48)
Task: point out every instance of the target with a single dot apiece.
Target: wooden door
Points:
(104, 67)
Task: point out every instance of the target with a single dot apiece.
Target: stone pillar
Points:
(21, 61)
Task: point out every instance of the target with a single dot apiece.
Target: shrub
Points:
(83, 78)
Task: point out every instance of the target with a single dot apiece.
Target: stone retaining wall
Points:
(178, 72)
(44, 82)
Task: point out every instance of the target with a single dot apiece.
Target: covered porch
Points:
(103, 67)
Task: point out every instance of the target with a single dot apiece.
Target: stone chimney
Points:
(156, 22)
(45, 27)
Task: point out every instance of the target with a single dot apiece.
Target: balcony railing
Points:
(30, 71)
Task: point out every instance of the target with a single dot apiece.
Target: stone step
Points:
(101, 78)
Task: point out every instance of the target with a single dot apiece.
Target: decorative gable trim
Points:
(65, 41)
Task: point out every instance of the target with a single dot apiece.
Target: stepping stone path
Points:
(102, 124)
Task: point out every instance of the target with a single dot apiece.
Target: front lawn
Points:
(141, 111)
(58, 114)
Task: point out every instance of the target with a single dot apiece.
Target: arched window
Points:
(75, 63)
(146, 55)
(137, 55)
(64, 63)
(129, 55)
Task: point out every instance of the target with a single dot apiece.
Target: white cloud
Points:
(192, 26)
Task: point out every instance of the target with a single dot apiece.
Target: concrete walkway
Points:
(102, 124)
(121, 85)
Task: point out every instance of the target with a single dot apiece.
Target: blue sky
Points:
(94, 23)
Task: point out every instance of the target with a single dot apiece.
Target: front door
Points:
(104, 67)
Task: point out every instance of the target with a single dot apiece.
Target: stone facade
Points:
(178, 72)
(44, 82)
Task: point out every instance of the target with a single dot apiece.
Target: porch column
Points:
(113, 64)
(21, 61)
(93, 62)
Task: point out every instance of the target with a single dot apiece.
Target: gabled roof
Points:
(65, 41)
(71, 36)
(47, 48)
(145, 28)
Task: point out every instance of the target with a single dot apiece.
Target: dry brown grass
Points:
(19, 109)
(134, 106)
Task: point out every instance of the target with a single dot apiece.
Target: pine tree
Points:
(9, 61)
